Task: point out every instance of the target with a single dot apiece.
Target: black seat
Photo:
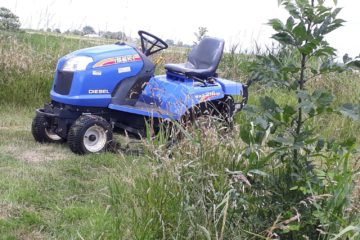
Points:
(203, 59)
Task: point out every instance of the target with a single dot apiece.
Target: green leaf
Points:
(320, 145)
(314, 71)
(268, 103)
(276, 24)
(338, 21)
(293, 10)
(320, 31)
(349, 142)
(346, 230)
(294, 227)
(319, 18)
(355, 64)
(308, 48)
(302, 3)
(350, 110)
(335, 2)
(274, 60)
(322, 9)
(300, 32)
(325, 52)
(336, 12)
(283, 38)
(245, 134)
(290, 23)
(284, 140)
(288, 113)
(260, 121)
(330, 66)
(258, 172)
(333, 26)
(322, 98)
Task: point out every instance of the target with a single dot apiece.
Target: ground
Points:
(47, 192)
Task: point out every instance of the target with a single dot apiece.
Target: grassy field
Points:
(47, 192)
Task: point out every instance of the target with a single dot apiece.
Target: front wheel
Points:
(89, 134)
(42, 132)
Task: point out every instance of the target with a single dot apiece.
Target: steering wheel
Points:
(149, 41)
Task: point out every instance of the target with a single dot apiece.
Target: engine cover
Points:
(95, 85)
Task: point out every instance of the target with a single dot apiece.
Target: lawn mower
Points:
(112, 88)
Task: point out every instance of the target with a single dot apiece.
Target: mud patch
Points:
(357, 190)
(37, 154)
(35, 235)
(5, 210)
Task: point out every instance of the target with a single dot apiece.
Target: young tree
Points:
(180, 43)
(76, 32)
(8, 20)
(304, 32)
(304, 160)
(170, 42)
(202, 31)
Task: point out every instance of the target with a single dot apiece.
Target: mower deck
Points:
(145, 109)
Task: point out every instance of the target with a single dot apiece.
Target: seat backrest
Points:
(207, 54)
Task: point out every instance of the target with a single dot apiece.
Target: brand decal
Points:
(99, 91)
(206, 96)
(124, 69)
(96, 73)
(116, 60)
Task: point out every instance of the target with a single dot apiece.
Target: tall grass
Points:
(27, 65)
(213, 186)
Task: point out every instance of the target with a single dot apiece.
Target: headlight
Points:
(76, 64)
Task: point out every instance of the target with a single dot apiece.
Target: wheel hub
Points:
(52, 135)
(95, 138)
(92, 138)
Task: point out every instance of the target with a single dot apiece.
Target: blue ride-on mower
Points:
(112, 88)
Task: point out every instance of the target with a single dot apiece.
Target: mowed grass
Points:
(47, 192)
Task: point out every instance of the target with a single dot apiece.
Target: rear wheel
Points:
(89, 134)
(227, 108)
(42, 132)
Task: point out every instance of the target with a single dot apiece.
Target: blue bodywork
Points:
(165, 96)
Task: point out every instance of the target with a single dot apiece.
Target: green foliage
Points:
(354, 64)
(202, 31)
(310, 164)
(113, 35)
(28, 63)
(350, 110)
(8, 20)
(88, 30)
(303, 35)
(170, 42)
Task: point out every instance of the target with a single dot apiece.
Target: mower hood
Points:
(88, 77)
(101, 52)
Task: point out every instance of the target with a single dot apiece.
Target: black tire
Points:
(41, 131)
(78, 140)
(227, 109)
